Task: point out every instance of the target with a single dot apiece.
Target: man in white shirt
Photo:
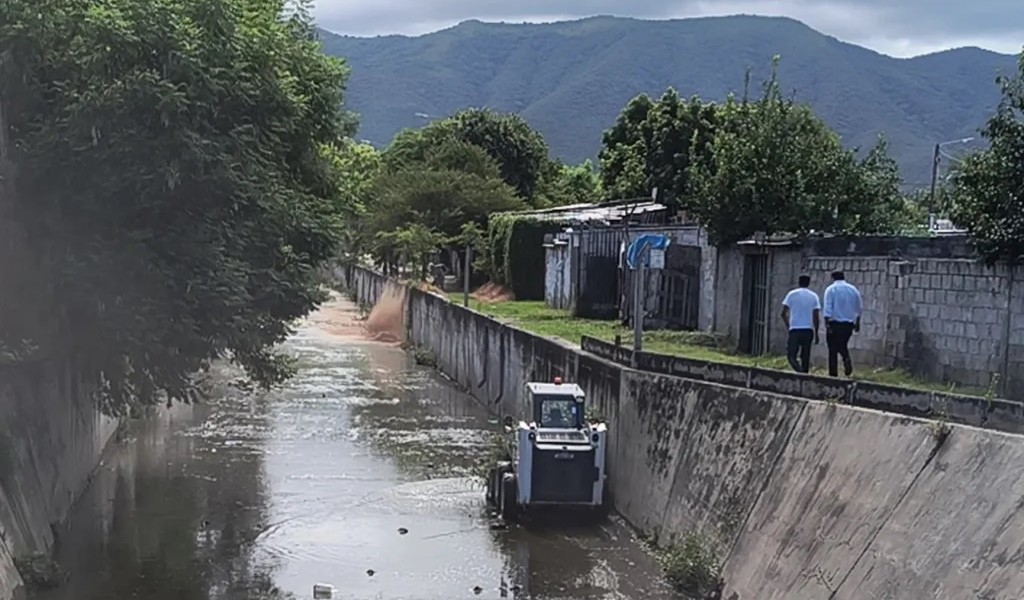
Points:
(843, 306)
(801, 312)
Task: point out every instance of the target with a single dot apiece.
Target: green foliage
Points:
(569, 184)
(515, 253)
(415, 245)
(441, 199)
(691, 563)
(499, 229)
(437, 177)
(519, 152)
(356, 168)
(524, 256)
(988, 192)
(172, 174)
(774, 167)
(623, 159)
(651, 145)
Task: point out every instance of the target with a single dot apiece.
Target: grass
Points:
(537, 317)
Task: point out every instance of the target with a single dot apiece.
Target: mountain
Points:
(571, 79)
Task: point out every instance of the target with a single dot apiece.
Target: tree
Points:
(875, 202)
(356, 168)
(416, 244)
(171, 172)
(623, 158)
(569, 184)
(520, 152)
(775, 167)
(650, 147)
(988, 187)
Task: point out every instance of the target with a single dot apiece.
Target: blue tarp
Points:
(648, 240)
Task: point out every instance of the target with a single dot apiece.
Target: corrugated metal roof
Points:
(608, 212)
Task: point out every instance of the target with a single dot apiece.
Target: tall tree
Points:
(777, 168)
(626, 145)
(988, 187)
(650, 147)
(171, 172)
(518, 150)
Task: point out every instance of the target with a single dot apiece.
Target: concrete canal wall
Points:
(807, 499)
(52, 436)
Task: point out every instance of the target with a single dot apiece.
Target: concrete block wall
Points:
(944, 319)
(52, 435)
(805, 499)
(871, 276)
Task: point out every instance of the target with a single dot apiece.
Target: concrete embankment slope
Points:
(806, 499)
(52, 436)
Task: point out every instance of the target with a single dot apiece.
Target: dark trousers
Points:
(838, 339)
(799, 345)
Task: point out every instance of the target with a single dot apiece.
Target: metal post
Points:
(465, 276)
(935, 180)
(638, 300)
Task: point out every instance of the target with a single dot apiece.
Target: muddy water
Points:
(357, 474)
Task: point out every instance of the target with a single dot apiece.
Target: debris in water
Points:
(370, 572)
(323, 591)
(498, 525)
(402, 531)
(478, 590)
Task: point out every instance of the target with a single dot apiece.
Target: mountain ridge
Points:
(570, 79)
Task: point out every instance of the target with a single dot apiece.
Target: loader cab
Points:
(557, 405)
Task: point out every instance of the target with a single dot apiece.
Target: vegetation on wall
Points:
(524, 256)
(173, 173)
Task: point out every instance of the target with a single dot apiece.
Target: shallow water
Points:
(356, 474)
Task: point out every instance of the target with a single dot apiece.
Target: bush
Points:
(692, 565)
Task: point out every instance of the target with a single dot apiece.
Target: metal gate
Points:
(757, 267)
(679, 297)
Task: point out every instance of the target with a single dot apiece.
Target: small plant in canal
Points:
(40, 572)
(424, 357)
(692, 565)
(495, 450)
(940, 428)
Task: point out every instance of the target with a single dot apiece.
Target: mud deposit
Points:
(357, 474)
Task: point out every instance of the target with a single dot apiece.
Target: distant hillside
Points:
(571, 79)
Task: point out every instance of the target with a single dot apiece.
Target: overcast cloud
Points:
(895, 27)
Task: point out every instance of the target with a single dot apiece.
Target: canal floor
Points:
(357, 474)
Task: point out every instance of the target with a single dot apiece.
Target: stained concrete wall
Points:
(806, 499)
(52, 435)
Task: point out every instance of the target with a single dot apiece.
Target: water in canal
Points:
(357, 474)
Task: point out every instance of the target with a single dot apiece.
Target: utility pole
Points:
(936, 157)
(935, 181)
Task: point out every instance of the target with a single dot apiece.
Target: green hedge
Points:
(516, 247)
(498, 230)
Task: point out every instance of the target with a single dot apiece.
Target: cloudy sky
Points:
(895, 27)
